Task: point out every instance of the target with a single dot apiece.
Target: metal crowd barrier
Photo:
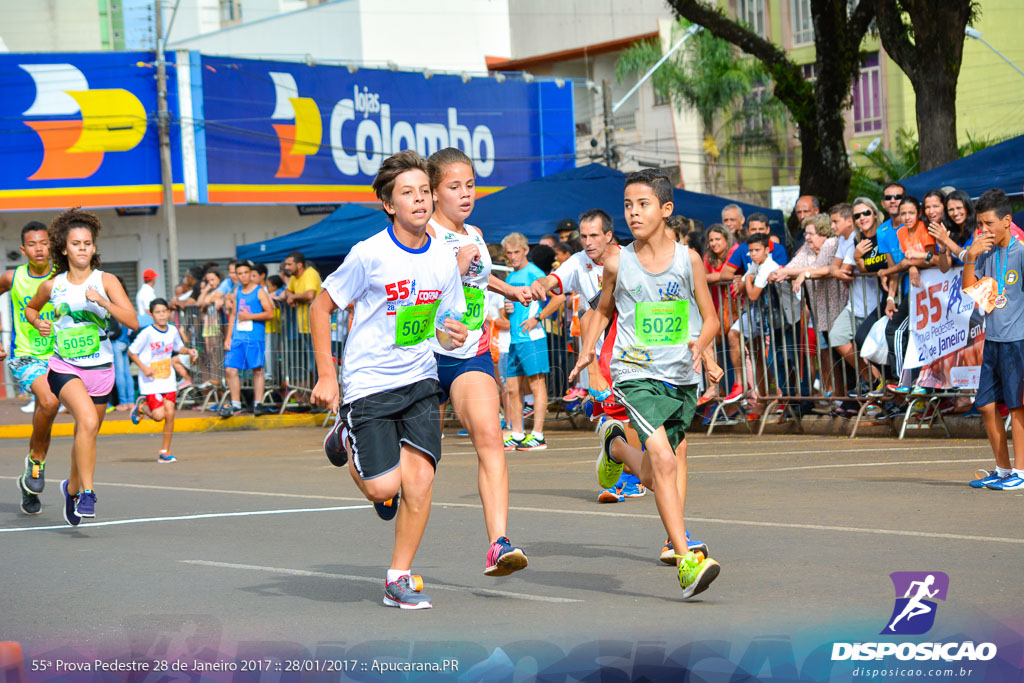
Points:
(786, 362)
(289, 367)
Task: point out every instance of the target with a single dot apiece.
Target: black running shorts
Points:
(379, 424)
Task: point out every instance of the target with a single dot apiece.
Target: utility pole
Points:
(166, 178)
(609, 125)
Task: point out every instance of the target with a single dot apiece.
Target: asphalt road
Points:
(254, 545)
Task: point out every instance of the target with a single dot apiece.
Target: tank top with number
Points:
(79, 325)
(658, 317)
(26, 340)
(474, 287)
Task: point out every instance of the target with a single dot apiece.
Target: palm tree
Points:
(710, 77)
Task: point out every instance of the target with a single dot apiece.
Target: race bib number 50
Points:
(474, 317)
(662, 323)
(414, 324)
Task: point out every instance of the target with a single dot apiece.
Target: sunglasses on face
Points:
(860, 215)
(892, 197)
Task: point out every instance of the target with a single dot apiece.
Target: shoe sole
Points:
(342, 455)
(669, 556)
(162, 461)
(64, 509)
(390, 510)
(406, 605)
(608, 497)
(23, 501)
(542, 447)
(729, 401)
(710, 572)
(605, 453)
(635, 495)
(508, 563)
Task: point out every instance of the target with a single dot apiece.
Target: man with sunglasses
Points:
(892, 195)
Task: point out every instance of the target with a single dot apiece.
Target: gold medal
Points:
(1000, 301)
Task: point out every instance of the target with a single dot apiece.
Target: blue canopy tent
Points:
(325, 242)
(999, 166)
(534, 208)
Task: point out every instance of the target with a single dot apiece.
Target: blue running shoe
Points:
(610, 495)
(503, 558)
(991, 478)
(70, 502)
(634, 490)
(137, 410)
(668, 553)
(389, 508)
(405, 593)
(1014, 482)
(85, 506)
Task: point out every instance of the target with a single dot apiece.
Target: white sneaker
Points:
(29, 407)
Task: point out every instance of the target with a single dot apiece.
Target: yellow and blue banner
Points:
(80, 128)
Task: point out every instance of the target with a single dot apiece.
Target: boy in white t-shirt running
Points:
(407, 289)
(153, 350)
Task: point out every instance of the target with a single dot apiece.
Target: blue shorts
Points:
(528, 358)
(449, 368)
(1002, 374)
(245, 354)
(26, 370)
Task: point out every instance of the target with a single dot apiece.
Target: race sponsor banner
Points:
(940, 317)
(958, 370)
(289, 132)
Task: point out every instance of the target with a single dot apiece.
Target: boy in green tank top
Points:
(652, 285)
(29, 353)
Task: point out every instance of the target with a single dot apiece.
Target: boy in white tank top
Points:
(653, 285)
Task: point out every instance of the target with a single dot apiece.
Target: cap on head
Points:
(148, 275)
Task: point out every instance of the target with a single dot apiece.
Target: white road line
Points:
(365, 579)
(841, 465)
(188, 489)
(713, 456)
(778, 525)
(211, 515)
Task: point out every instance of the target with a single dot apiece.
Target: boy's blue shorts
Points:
(1002, 374)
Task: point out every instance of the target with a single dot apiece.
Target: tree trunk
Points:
(817, 110)
(936, 118)
(929, 50)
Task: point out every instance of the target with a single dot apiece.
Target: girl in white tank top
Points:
(81, 372)
(467, 374)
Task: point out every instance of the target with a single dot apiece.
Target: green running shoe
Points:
(696, 573)
(609, 471)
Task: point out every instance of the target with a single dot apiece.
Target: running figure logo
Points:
(914, 612)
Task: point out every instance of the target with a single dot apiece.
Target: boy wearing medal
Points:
(996, 254)
(659, 290)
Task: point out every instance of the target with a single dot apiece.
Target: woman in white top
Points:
(466, 374)
(81, 370)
